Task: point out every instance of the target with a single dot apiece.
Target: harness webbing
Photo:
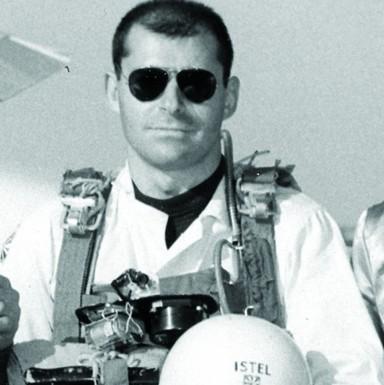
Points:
(72, 275)
(260, 272)
(260, 269)
(84, 193)
(256, 201)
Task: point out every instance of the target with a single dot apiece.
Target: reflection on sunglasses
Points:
(196, 84)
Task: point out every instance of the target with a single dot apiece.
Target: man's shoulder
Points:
(298, 211)
(292, 204)
(301, 217)
(374, 218)
(376, 211)
(42, 219)
(36, 231)
(52, 210)
(298, 202)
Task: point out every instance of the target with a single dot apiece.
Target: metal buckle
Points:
(83, 200)
(257, 199)
(82, 214)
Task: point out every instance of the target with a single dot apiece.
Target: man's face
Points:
(172, 132)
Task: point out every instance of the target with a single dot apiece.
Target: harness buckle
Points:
(83, 200)
(257, 200)
(81, 214)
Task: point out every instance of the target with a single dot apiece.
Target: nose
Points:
(172, 99)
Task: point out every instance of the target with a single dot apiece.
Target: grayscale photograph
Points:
(189, 192)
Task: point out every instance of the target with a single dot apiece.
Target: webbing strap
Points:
(72, 276)
(84, 194)
(256, 189)
(260, 269)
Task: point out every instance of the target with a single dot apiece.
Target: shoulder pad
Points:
(85, 181)
(281, 176)
(84, 194)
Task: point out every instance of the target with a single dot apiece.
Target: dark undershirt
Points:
(183, 209)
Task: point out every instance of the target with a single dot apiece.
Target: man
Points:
(173, 87)
(368, 262)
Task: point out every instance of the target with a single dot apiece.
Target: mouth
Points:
(171, 129)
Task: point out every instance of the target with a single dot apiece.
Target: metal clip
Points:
(82, 214)
(258, 199)
(84, 203)
(248, 310)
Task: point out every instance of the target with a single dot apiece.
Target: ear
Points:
(232, 96)
(111, 91)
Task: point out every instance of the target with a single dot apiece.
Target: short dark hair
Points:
(174, 18)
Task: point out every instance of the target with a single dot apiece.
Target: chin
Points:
(176, 160)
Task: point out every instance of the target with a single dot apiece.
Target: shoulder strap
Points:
(83, 193)
(256, 188)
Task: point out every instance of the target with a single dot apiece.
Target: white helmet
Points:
(235, 350)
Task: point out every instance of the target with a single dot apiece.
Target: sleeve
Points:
(30, 266)
(363, 271)
(325, 311)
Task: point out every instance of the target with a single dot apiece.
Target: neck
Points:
(158, 183)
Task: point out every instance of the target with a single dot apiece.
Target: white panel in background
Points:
(23, 64)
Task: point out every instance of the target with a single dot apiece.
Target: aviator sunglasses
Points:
(196, 84)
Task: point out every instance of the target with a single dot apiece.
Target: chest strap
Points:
(83, 193)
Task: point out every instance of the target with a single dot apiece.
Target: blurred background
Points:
(312, 93)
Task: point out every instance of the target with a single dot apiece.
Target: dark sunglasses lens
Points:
(147, 84)
(196, 84)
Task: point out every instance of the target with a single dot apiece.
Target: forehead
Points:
(146, 48)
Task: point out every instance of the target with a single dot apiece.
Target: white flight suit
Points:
(324, 310)
(368, 261)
